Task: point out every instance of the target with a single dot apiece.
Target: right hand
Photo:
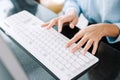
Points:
(70, 17)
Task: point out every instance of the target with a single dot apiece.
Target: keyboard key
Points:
(83, 58)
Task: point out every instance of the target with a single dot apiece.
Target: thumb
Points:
(73, 23)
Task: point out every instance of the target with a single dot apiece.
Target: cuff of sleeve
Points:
(71, 5)
(72, 9)
(115, 39)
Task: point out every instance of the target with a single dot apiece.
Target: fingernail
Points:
(73, 50)
(48, 28)
(72, 26)
(93, 53)
(59, 30)
(41, 26)
(82, 51)
(66, 46)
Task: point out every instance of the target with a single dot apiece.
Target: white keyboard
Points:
(47, 46)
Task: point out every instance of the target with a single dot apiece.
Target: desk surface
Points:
(32, 67)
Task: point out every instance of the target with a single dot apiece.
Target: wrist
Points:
(111, 30)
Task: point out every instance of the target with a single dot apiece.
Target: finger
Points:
(44, 24)
(52, 23)
(87, 46)
(80, 44)
(95, 46)
(74, 39)
(63, 20)
(73, 23)
(60, 24)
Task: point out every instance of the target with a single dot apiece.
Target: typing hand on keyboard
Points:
(84, 36)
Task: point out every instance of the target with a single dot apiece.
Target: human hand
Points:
(91, 36)
(70, 17)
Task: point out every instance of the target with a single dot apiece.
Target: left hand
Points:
(91, 36)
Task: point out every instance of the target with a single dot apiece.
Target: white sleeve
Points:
(71, 5)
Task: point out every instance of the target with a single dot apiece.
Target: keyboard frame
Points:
(44, 67)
